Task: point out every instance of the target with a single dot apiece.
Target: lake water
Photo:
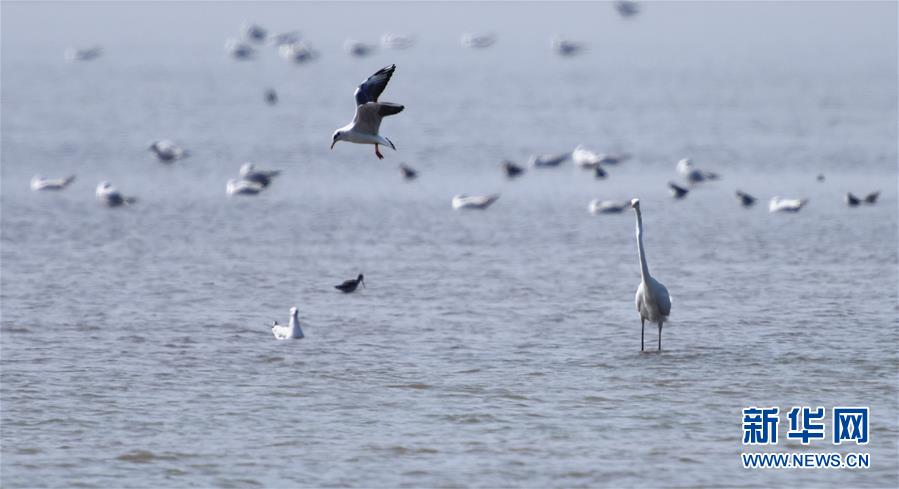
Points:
(496, 348)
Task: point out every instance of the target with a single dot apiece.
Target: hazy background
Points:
(489, 349)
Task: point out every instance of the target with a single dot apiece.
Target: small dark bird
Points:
(746, 200)
(408, 172)
(599, 172)
(271, 96)
(511, 169)
(677, 191)
(627, 8)
(350, 285)
(820, 177)
(872, 197)
(852, 200)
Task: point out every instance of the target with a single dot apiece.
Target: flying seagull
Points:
(369, 112)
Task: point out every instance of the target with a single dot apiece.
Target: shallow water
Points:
(496, 348)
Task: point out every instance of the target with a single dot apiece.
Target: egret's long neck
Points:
(294, 321)
(644, 268)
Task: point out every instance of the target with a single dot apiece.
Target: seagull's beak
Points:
(333, 143)
(363, 283)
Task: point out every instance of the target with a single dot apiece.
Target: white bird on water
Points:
(109, 196)
(692, 174)
(40, 183)
(243, 187)
(291, 331)
(606, 206)
(249, 173)
(653, 301)
(369, 112)
(776, 204)
(463, 201)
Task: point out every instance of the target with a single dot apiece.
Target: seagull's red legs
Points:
(378, 153)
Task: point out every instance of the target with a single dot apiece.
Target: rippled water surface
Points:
(496, 348)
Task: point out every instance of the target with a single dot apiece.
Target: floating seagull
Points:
(408, 172)
(692, 174)
(166, 151)
(249, 173)
(40, 183)
(299, 52)
(463, 201)
(607, 206)
(872, 197)
(358, 48)
(478, 41)
(291, 331)
(290, 37)
(73, 54)
(653, 301)
(350, 285)
(253, 32)
(397, 41)
(627, 8)
(746, 200)
(511, 169)
(242, 187)
(271, 96)
(851, 200)
(677, 191)
(786, 205)
(109, 196)
(599, 172)
(567, 48)
(369, 112)
(239, 50)
(547, 161)
(585, 158)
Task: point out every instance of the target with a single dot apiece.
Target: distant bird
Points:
(110, 197)
(167, 151)
(547, 161)
(397, 41)
(369, 112)
(481, 202)
(677, 191)
(511, 169)
(627, 8)
(872, 197)
(299, 52)
(585, 158)
(597, 206)
(242, 187)
(74, 54)
(40, 183)
(239, 50)
(599, 172)
(851, 200)
(692, 174)
(565, 47)
(249, 173)
(746, 200)
(283, 38)
(253, 32)
(478, 41)
(271, 96)
(358, 48)
(776, 204)
(820, 177)
(408, 172)
(653, 301)
(350, 285)
(291, 331)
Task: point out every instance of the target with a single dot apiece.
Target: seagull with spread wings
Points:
(369, 112)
